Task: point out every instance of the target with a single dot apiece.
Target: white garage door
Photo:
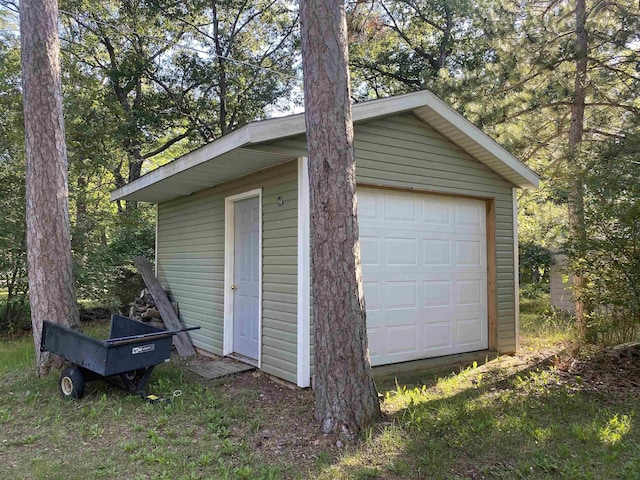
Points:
(424, 266)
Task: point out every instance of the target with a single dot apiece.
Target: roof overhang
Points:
(232, 157)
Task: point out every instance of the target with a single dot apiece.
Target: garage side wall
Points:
(190, 256)
(403, 152)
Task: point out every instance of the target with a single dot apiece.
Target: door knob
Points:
(234, 287)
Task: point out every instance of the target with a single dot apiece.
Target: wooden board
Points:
(169, 316)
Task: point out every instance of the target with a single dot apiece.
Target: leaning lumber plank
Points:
(169, 316)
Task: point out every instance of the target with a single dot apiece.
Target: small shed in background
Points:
(561, 284)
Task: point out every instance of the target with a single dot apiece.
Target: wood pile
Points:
(144, 309)
(625, 350)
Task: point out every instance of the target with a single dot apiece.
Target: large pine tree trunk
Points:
(51, 288)
(576, 130)
(346, 397)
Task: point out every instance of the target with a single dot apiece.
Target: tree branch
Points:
(166, 145)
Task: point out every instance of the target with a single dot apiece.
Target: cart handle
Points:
(146, 336)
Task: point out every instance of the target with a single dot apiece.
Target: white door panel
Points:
(424, 268)
(246, 280)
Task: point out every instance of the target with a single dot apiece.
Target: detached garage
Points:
(437, 213)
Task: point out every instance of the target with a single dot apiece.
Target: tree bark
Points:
(51, 287)
(346, 397)
(576, 131)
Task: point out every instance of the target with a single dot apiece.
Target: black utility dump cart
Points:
(126, 358)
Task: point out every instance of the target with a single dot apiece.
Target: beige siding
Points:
(191, 263)
(403, 152)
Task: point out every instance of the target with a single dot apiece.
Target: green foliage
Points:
(106, 274)
(609, 254)
(13, 270)
(407, 45)
(534, 290)
(168, 77)
(535, 263)
(143, 83)
(15, 316)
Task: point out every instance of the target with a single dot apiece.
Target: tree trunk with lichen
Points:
(346, 397)
(51, 287)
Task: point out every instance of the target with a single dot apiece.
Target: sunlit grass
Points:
(485, 421)
(542, 327)
(17, 354)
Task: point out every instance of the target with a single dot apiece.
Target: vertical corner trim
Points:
(516, 267)
(492, 275)
(304, 276)
(155, 247)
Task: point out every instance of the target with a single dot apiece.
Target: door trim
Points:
(229, 237)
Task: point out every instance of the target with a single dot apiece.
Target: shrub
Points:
(607, 255)
(15, 316)
(535, 262)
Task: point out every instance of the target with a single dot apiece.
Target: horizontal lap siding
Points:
(280, 277)
(191, 263)
(403, 152)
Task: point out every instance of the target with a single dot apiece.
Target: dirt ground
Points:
(288, 431)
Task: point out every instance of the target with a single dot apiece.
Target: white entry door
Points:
(424, 267)
(246, 277)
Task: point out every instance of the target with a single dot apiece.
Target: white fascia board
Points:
(273, 129)
(214, 149)
(390, 105)
(468, 129)
(263, 131)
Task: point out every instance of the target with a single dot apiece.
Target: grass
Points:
(109, 434)
(481, 422)
(523, 426)
(542, 326)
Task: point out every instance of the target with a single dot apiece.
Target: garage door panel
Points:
(369, 247)
(469, 331)
(401, 295)
(372, 295)
(401, 339)
(437, 335)
(368, 207)
(436, 251)
(469, 216)
(436, 293)
(424, 270)
(375, 342)
(399, 208)
(469, 292)
(469, 253)
(401, 251)
(437, 212)
(392, 319)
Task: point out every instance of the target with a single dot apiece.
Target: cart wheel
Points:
(131, 380)
(72, 383)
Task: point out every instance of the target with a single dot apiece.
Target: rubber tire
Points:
(130, 380)
(72, 383)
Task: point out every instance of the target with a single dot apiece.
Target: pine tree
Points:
(51, 287)
(346, 398)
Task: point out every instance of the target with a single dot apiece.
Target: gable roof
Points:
(232, 156)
